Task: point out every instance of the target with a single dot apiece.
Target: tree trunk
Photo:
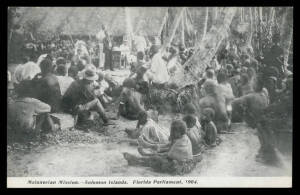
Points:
(182, 29)
(205, 24)
(249, 38)
(195, 66)
(173, 28)
(287, 34)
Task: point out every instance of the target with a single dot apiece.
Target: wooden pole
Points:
(173, 29)
(205, 24)
(163, 22)
(182, 30)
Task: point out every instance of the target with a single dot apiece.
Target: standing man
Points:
(107, 49)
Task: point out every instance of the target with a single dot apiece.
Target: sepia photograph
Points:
(149, 96)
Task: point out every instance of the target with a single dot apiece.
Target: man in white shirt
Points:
(140, 43)
(158, 71)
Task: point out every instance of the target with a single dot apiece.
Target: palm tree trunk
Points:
(182, 28)
(173, 28)
(205, 24)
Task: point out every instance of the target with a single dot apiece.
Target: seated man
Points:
(80, 97)
(63, 80)
(28, 115)
(178, 160)
(131, 102)
(47, 87)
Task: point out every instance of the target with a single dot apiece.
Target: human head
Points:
(244, 79)
(210, 88)
(251, 72)
(140, 55)
(208, 114)
(189, 109)
(90, 75)
(221, 77)
(129, 83)
(46, 66)
(189, 120)
(61, 61)
(210, 73)
(178, 129)
(62, 70)
(244, 70)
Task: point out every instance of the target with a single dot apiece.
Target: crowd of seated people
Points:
(234, 87)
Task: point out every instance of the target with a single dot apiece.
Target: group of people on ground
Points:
(239, 88)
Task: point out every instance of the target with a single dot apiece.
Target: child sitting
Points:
(194, 133)
(190, 109)
(178, 160)
(209, 127)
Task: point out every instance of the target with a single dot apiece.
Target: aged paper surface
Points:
(150, 97)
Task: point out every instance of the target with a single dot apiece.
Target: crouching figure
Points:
(177, 160)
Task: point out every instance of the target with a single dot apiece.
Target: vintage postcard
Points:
(149, 97)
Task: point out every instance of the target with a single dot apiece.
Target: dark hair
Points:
(209, 73)
(140, 55)
(62, 70)
(80, 65)
(142, 117)
(130, 83)
(209, 113)
(245, 77)
(190, 121)
(46, 66)
(61, 61)
(189, 109)
(221, 77)
(178, 129)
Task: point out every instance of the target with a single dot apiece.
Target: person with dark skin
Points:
(80, 97)
(177, 160)
(27, 114)
(47, 86)
(244, 87)
(209, 127)
(131, 101)
(194, 133)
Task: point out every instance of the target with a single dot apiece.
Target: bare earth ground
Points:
(235, 156)
(99, 153)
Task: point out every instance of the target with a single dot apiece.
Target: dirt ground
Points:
(102, 156)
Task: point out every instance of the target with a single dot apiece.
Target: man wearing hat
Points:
(80, 97)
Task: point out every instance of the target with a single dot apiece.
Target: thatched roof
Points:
(88, 20)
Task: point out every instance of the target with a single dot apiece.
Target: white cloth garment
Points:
(158, 69)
